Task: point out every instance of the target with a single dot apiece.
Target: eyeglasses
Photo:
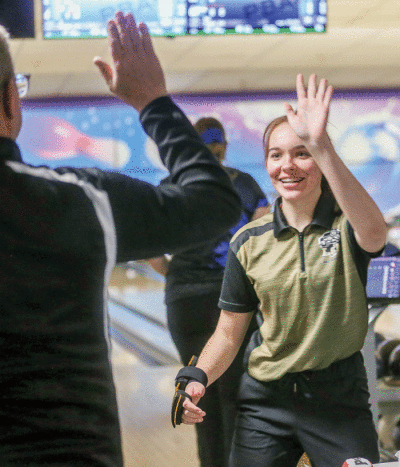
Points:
(22, 82)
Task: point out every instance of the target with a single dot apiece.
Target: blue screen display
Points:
(383, 279)
(88, 18)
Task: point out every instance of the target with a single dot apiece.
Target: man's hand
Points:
(136, 76)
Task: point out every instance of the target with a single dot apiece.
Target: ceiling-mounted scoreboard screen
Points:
(66, 19)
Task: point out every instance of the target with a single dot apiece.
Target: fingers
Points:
(105, 69)
(328, 95)
(309, 122)
(300, 87)
(114, 40)
(195, 390)
(289, 110)
(312, 86)
(290, 113)
(128, 33)
(322, 89)
(132, 32)
(123, 34)
(192, 414)
(321, 92)
(146, 39)
(134, 76)
(324, 93)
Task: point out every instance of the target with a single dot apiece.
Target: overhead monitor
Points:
(65, 19)
(17, 16)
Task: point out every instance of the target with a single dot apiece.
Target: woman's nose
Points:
(287, 163)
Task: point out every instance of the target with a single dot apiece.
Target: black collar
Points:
(9, 151)
(325, 212)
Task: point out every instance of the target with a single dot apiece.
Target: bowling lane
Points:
(144, 380)
(144, 397)
(138, 314)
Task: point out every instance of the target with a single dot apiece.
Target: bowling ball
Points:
(357, 461)
(396, 435)
(394, 362)
(382, 354)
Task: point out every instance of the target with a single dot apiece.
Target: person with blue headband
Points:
(193, 285)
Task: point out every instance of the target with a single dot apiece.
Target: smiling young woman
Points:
(304, 266)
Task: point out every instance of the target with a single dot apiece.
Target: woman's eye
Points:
(274, 155)
(303, 154)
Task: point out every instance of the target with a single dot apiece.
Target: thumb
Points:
(289, 110)
(104, 69)
(196, 390)
(290, 113)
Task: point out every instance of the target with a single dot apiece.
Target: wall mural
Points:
(105, 133)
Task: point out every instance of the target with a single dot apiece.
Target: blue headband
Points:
(213, 135)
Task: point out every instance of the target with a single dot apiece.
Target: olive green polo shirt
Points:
(309, 287)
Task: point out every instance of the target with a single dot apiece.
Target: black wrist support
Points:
(184, 376)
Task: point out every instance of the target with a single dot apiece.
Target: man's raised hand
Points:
(135, 76)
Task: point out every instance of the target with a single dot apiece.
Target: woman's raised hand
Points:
(309, 122)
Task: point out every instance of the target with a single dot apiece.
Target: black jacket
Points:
(61, 233)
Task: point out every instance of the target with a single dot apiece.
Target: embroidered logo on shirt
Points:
(329, 242)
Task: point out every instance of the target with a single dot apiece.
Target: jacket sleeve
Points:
(199, 203)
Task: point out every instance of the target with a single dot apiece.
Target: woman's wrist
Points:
(321, 148)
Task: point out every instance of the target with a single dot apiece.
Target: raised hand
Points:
(309, 122)
(135, 76)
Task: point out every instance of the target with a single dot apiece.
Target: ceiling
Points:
(360, 50)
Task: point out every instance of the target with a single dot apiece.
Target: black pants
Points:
(324, 413)
(191, 322)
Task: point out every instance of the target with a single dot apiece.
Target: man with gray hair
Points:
(61, 233)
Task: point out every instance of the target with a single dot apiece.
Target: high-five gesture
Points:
(136, 76)
(309, 122)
